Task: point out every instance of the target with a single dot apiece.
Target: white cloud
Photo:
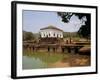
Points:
(75, 23)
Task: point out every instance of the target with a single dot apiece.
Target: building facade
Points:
(51, 32)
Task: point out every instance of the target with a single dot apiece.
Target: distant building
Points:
(51, 32)
(51, 35)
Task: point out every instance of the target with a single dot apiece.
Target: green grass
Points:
(48, 57)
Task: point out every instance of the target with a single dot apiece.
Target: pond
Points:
(37, 60)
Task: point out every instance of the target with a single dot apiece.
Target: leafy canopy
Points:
(84, 30)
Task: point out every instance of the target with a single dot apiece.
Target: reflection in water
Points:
(32, 63)
(36, 60)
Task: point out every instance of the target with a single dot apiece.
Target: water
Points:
(38, 60)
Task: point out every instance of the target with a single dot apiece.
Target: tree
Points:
(27, 36)
(84, 30)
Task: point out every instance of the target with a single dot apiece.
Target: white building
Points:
(51, 32)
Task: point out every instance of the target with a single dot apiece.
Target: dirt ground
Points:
(73, 61)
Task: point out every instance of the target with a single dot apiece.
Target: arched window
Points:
(57, 35)
(44, 35)
(49, 34)
(54, 34)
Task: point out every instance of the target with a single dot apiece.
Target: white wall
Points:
(50, 33)
(5, 43)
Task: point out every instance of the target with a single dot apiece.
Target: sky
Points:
(33, 21)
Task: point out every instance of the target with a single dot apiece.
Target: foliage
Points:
(70, 34)
(27, 36)
(84, 31)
